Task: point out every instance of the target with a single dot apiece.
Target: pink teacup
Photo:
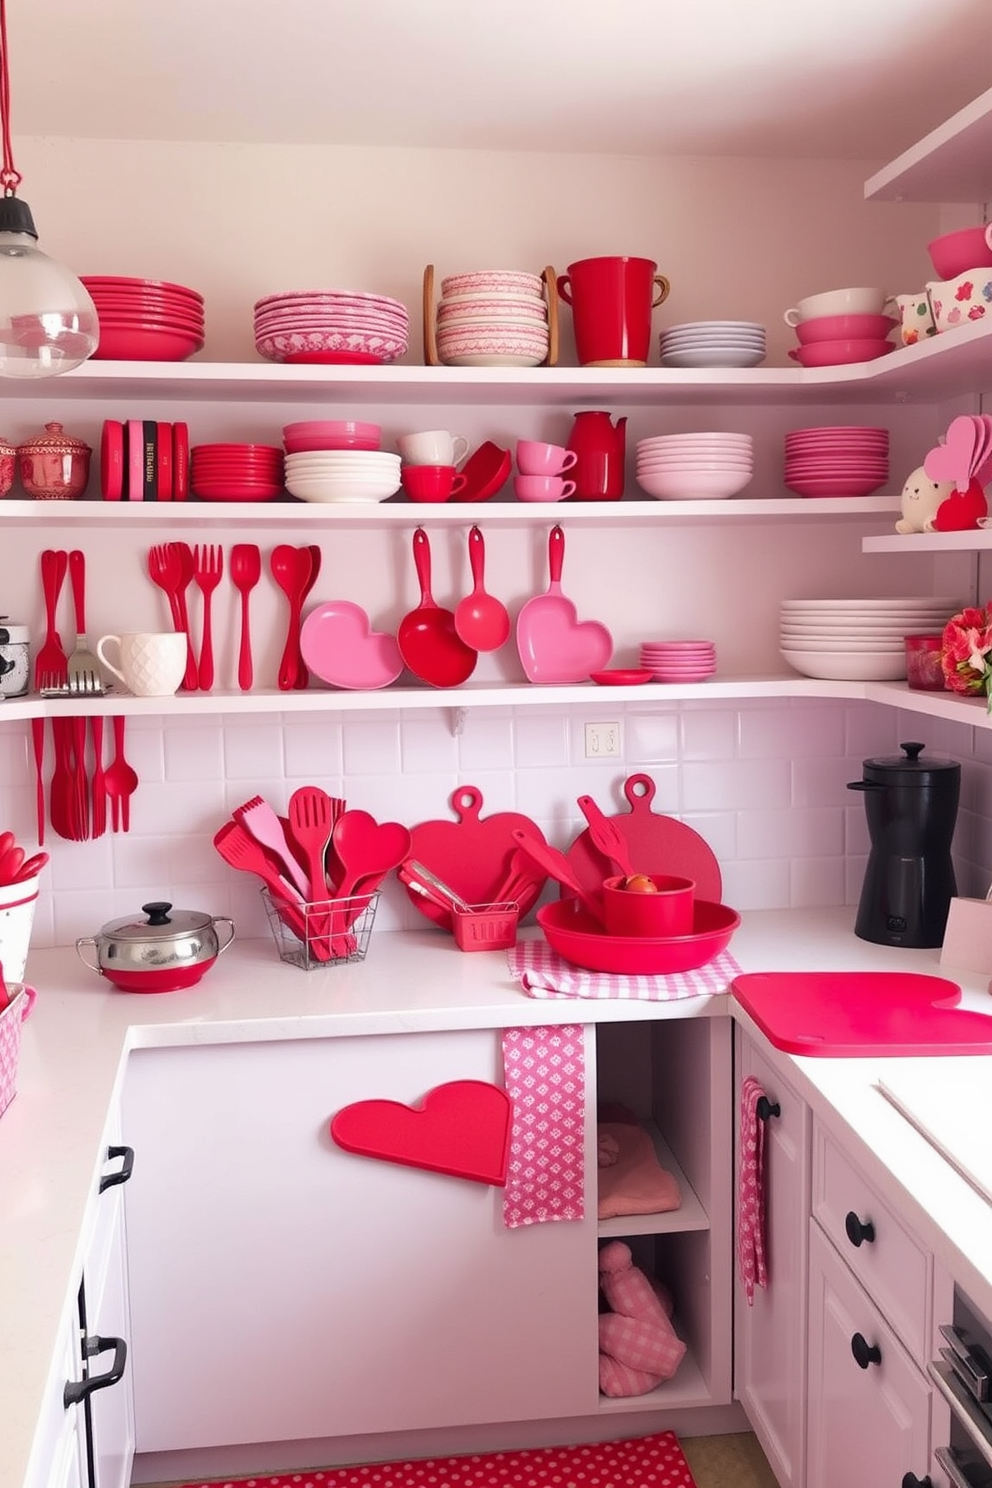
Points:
(542, 488)
(537, 458)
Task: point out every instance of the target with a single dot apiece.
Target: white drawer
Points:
(890, 1263)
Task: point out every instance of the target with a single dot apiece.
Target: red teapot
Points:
(601, 447)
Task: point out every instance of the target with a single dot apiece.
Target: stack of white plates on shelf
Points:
(837, 460)
(860, 640)
(342, 475)
(331, 325)
(688, 467)
(713, 343)
(678, 661)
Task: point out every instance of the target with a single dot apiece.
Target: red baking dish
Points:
(574, 934)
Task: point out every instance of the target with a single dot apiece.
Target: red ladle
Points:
(481, 620)
(292, 569)
(429, 643)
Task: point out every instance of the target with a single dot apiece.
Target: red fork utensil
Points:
(183, 557)
(246, 570)
(165, 570)
(99, 783)
(121, 781)
(292, 569)
(316, 558)
(208, 569)
(38, 744)
(51, 660)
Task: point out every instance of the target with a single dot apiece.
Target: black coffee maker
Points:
(911, 805)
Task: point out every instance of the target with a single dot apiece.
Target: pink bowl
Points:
(956, 252)
(329, 434)
(839, 353)
(845, 328)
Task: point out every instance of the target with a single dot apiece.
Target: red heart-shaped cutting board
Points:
(471, 855)
(657, 844)
(461, 1128)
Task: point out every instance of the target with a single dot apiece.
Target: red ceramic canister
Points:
(923, 669)
(612, 300)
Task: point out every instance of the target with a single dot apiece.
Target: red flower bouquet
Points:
(966, 651)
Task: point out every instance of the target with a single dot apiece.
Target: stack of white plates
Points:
(679, 661)
(342, 475)
(687, 467)
(860, 640)
(713, 343)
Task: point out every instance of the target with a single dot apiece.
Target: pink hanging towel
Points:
(751, 1251)
(544, 1075)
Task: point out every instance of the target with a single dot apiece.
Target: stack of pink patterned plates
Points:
(330, 325)
(679, 661)
(840, 460)
(145, 320)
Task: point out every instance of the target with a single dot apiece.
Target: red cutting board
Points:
(847, 1014)
(657, 844)
(471, 855)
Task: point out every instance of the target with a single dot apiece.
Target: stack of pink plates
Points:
(679, 661)
(837, 460)
(330, 325)
(145, 320)
(237, 472)
(691, 467)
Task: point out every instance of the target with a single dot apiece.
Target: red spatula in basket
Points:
(237, 847)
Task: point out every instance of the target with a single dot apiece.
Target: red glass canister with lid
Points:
(923, 669)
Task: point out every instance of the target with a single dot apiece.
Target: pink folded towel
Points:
(631, 1180)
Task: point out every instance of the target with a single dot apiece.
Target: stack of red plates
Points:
(836, 460)
(237, 472)
(145, 320)
(331, 325)
(679, 661)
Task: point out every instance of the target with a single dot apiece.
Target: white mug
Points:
(433, 447)
(152, 663)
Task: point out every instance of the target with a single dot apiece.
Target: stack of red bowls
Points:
(836, 460)
(237, 472)
(145, 320)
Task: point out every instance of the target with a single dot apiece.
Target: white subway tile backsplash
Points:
(540, 741)
(652, 738)
(822, 782)
(252, 748)
(709, 735)
(427, 745)
(312, 751)
(796, 832)
(790, 733)
(371, 747)
(193, 754)
(723, 785)
(756, 885)
(816, 883)
(486, 743)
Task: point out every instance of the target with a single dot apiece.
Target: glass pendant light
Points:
(48, 322)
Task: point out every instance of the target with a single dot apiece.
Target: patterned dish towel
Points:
(751, 1192)
(543, 973)
(544, 1074)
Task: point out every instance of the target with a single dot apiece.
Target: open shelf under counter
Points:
(953, 163)
(686, 1387)
(690, 1215)
(283, 515)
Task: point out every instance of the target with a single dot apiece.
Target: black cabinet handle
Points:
(859, 1231)
(865, 1353)
(77, 1390)
(110, 1180)
(912, 1481)
(766, 1109)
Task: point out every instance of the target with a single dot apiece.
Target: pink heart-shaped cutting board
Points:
(461, 1128)
(339, 646)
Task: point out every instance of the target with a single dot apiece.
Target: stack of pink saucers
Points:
(836, 460)
(679, 661)
(145, 320)
(331, 325)
(236, 472)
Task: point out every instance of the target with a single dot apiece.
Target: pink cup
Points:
(536, 458)
(432, 482)
(661, 915)
(542, 488)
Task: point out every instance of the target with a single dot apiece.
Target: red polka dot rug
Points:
(639, 1462)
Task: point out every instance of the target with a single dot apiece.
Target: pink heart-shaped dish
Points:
(555, 647)
(339, 646)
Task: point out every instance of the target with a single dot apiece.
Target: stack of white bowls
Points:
(861, 640)
(713, 343)
(342, 475)
(492, 318)
(690, 467)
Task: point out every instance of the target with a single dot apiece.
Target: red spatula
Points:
(237, 847)
(311, 822)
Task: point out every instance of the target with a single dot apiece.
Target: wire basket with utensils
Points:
(332, 933)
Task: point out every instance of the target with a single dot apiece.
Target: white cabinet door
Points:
(869, 1421)
(770, 1335)
(111, 1411)
(282, 1288)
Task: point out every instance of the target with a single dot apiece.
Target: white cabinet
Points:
(770, 1334)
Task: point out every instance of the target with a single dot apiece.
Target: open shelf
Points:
(690, 1214)
(953, 163)
(686, 1387)
(975, 541)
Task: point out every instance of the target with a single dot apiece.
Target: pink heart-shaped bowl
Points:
(339, 646)
(555, 647)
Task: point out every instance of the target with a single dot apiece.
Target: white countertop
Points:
(52, 1136)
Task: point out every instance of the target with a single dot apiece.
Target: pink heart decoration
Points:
(555, 647)
(461, 1128)
(339, 646)
(982, 464)
(954, 459)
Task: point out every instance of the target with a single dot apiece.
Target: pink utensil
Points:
(292, 569)
(51, 661)
(208, 569)
(481, 620)
(121, 781)
(266, 828)
(428, 640)
(557, 866)
(246, 570)
(38, 746)
(182, 559)
(553, 645)
(607, 836)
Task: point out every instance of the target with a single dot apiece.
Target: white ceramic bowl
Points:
(693, 485)
(839, 302)
(839, 666)
(340, 489)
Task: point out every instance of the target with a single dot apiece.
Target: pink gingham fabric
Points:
(751, 1192)
(11, 1020)
(544, 1076)
(543, 973)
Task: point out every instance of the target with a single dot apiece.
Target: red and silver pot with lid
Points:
(161, 950)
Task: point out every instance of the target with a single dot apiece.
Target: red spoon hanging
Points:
(302, 674)
(481, 620)
(292, 569)
(427, 638)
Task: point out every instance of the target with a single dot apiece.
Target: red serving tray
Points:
(848, 1014)
(658, 844)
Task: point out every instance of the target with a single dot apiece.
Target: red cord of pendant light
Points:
(10, 177)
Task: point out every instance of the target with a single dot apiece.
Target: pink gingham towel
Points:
(544, 1076)
(543, 973)
(751, 1192)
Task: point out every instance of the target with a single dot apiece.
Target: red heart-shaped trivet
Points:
(461, 1128)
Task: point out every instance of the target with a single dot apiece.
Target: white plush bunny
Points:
(921, 497)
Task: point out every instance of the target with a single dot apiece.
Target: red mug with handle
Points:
(612, 300)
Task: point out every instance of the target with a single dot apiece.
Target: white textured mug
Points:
(432, 447)
(151, 663)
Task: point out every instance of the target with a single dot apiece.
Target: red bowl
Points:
(845, 328)
(237, 491)
(486, 472)
(131, 345)
(621, 677)
(123, 282)
(576, 936)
